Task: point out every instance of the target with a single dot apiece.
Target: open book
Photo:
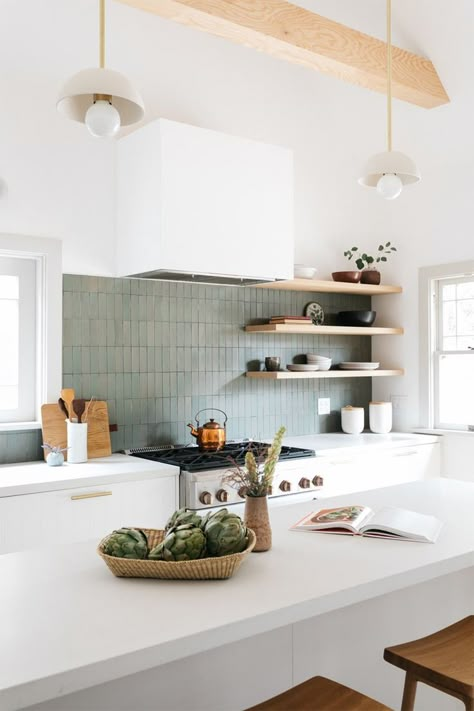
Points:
(362, 521)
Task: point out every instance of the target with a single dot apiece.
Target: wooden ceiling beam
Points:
(296, 35)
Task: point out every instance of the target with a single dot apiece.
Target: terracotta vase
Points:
(370, 276)
(256, 517)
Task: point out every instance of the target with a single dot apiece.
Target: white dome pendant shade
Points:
(78, 93)
(390, 171)
(101, 98)
(389, 163)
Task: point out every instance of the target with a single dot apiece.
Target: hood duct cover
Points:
(216, 279)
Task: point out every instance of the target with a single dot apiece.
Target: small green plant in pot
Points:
(366, 262)
(255, 480)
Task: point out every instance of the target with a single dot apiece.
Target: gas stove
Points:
(202, 473)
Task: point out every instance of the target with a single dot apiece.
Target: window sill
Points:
(19, 426)
(434, 431)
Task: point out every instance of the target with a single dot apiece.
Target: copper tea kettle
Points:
(211, 436)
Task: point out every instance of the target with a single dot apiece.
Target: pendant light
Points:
(101, 98)
(391, 170)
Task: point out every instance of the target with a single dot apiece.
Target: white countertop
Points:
(334, 443)
(32, 477)
(67, 624)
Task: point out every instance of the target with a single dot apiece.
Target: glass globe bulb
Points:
(389, 186)
(102, 119)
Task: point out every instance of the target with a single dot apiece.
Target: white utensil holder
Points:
(76, 442)
(380, 417)
(352, 420)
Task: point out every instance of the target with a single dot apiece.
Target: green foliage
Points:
(257, 475)
(364, 259)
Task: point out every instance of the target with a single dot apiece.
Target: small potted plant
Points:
(255, 481)
(370, 274)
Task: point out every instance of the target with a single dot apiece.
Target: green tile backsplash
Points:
(160, 351)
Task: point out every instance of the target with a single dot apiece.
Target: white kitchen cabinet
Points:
(203, 202)
(70, 515)
(358, 471)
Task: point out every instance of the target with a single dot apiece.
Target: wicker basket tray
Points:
(201, 569)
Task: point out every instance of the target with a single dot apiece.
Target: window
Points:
(447, 350)
(30, 317)
(18, 352)
(454, 354)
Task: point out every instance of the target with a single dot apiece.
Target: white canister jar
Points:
(76, 442)
(380, 417)
(352, 419)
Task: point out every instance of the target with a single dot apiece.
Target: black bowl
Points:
(356, 318)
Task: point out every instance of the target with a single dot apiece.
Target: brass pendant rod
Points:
(101, 34)
(389, 75)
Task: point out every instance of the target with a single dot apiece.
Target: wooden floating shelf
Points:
(332, 287)
(287, 375)
(324, 330)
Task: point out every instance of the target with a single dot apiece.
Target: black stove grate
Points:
(192, 460)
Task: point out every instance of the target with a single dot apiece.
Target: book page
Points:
(403, 523)
(346, 517)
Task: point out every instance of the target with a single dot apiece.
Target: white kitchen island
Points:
(76, 638)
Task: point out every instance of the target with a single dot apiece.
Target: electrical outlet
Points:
(324, 406)
(399, 402)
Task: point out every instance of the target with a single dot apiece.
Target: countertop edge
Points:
(77, 476)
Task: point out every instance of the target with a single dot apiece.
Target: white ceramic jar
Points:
(76, 442)
(380, 417)
(352, 419)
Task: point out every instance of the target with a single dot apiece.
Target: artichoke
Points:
(127, 543)
(213, 516)
(185, 542)
(225, 534)
(182, 516)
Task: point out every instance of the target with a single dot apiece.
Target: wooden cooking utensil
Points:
(68, 395)
(79, 406)
(63, 407)
(98, 437)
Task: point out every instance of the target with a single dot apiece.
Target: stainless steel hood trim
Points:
(212, 279)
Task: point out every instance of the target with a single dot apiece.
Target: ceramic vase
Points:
(370, 276)
(256, 517)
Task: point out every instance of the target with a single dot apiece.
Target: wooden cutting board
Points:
(98, 434)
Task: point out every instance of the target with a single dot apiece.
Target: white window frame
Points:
(47, 254)
(429, 278)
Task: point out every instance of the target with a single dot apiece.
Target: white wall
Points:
(61, 180)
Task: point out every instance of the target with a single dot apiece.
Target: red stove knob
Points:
(222, 496)
(304, 483)
(205, 498)
(242, 492)
(285, 485)
(318, 481)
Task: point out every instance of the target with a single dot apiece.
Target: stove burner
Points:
(192, 460)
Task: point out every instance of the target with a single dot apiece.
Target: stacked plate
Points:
(302, 367)
(322, 362)
(349, 365)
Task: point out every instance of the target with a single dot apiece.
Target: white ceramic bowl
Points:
(321, 361)
(313, 358)
(302, 272)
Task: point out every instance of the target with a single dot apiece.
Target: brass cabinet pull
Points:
(92, 495)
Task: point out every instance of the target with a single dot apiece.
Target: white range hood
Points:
(198, 205)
